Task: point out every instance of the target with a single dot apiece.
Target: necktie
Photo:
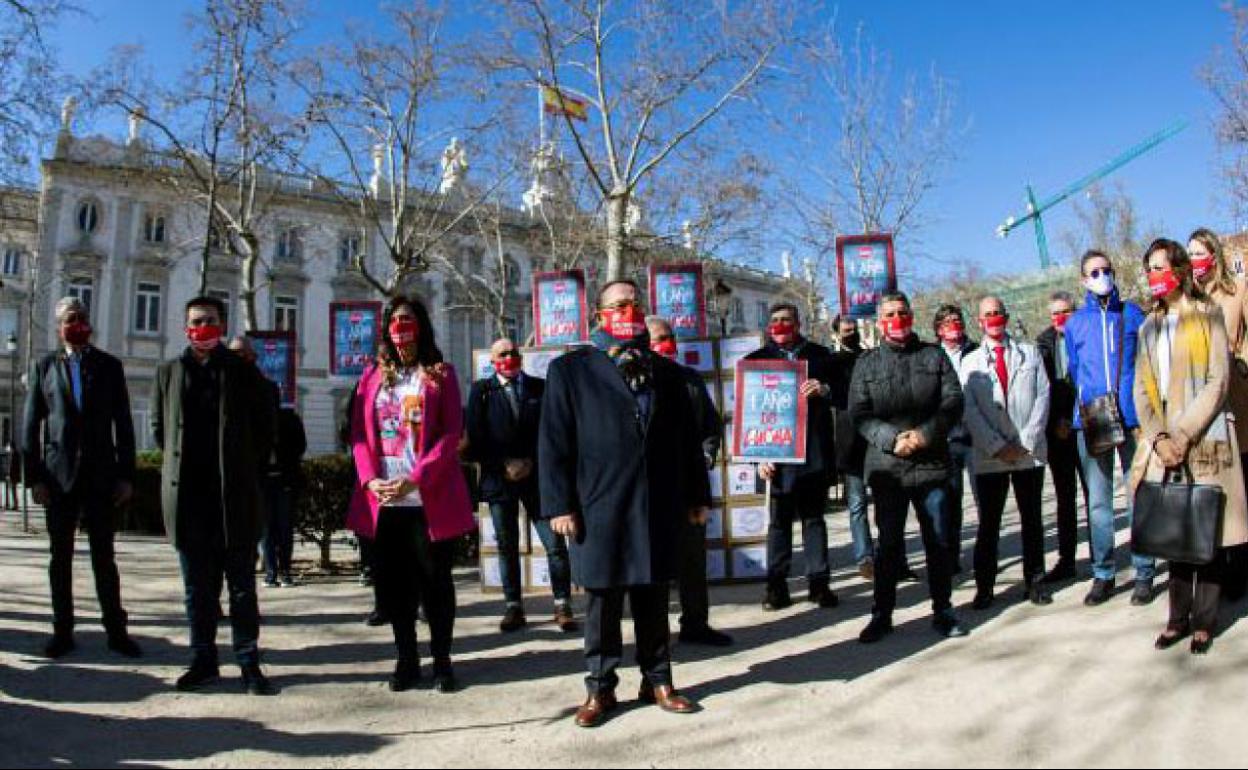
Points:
(1002, 373)
(512, 400)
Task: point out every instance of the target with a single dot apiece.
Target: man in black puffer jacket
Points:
(904, 399)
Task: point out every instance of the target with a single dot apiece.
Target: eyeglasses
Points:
(621, 304)
(513, 353)
(1097, 272)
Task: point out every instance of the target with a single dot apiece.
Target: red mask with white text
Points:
(898, 328)
(995, 326)
(782, 332)
(1059, 321)
(1162, 283)
(78, 333)
(403, 331)
(666, 348)
(509, 367)
(624, 323)
(953, 332)
(204, 338)
(1202, 266)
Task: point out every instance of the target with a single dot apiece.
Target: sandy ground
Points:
(1062, 685)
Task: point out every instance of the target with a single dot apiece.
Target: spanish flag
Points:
(557, 102)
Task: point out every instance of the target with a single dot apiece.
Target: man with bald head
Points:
(503, 413)
(1007, 413)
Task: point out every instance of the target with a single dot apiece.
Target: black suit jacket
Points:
(495, 435)
(633, 480)
(65, 447)
(1063, 395)
(705, 416)
(820, 465)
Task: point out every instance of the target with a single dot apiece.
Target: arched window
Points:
(154, 228)
(88, 217)
(12, 260)
(288, 247)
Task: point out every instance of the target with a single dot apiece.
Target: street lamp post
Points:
(10, 345)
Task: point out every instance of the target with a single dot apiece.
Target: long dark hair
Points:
(1181, 264)
(428, 356)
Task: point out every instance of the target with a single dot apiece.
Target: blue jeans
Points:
(506, 516)
(1098, 472)
(961, 455)
(204, 569)
(859, 522)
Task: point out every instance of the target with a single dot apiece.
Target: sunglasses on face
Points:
(1100, 271)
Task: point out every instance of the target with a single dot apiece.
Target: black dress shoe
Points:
(1143, 594)
(513, 620)
(1202, 646)
(908, 575)
(1061, 572)
(822, 596)
(406, 675)
(444, 678)
(948, 625)
(777, 600)
(705, 636)
(256, 683)
(59, 646)
(982, 601)
(1038, 595)
(125, 646)
(198, 676)
(879, 627)
(1101, 592)
(1171, 637)
(376, 618)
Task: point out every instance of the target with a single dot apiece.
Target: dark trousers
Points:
(1194, 594)
(413, 570)
(204, 569)
(695, 600)
(806, 502)
(368, 566)
(506, 516)
(961, 455)
(64, 515)
(892, 507)
(994, 488)
(604, 640)
(279, 534)
(1067, 472)
(1235, 575)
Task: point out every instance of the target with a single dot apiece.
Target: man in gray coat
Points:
(214, 422)
(1007, 411)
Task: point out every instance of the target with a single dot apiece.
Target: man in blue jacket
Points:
(1100, 346)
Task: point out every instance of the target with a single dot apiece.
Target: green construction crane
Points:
(1035, 208)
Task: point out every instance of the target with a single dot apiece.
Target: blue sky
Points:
(1053, 90)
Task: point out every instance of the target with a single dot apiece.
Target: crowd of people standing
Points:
(609, 454)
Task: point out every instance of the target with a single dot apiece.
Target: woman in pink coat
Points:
(412, 499)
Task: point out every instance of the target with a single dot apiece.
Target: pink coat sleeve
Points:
(366, 465)
(441, 455)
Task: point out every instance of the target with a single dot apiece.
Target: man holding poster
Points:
(800, 490)
(904, 399)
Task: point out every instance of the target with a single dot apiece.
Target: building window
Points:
(83, 290)
(147, 308)
(285, 313)
(763, 315)
(224, 296)
(154, 228)
(738, 311)
(348, 251)
(12, 261)
(88, 217)
(288, 247)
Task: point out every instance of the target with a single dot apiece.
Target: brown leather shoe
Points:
(564, 619)
(596, 709)
(666, 698)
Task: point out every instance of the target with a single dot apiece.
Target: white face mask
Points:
(1101, 286)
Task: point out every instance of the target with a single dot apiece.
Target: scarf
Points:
(632, 358)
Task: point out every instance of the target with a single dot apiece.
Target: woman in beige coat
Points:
(1182, 374)
(1214, 277)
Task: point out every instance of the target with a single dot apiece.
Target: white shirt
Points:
(1169, 331)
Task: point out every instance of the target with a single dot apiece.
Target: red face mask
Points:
(1059, 320)
(1162, 283)
(953, 332)
(782, 332)
(666, 348)
(403, 331)
(898, 328)
(1203, 266)
(624, 323)
(509, 367)
(204, 338)
(995, 326)
(77, 333)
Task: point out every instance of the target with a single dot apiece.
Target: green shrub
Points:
(143, 514)
(321, 509)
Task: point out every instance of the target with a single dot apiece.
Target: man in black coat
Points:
(801, 491)
(619, 454)
(1062, 441)
(77, 397)
(851, 449)
(905, 397)
(695, 599)
(502, 416)
(213, 418)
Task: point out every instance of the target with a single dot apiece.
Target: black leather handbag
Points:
(1104, 428)
(1177, 520)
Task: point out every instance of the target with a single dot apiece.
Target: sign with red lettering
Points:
(769, 418)
(867, 270)
(560, 316)
(676, 294)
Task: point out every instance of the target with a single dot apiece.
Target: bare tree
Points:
(654, 73)
(29, 82)
(389, 96)
(1226, 76)
(224, 133)
(1108, 221)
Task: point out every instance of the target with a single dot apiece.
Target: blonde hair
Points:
(1222, 280)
